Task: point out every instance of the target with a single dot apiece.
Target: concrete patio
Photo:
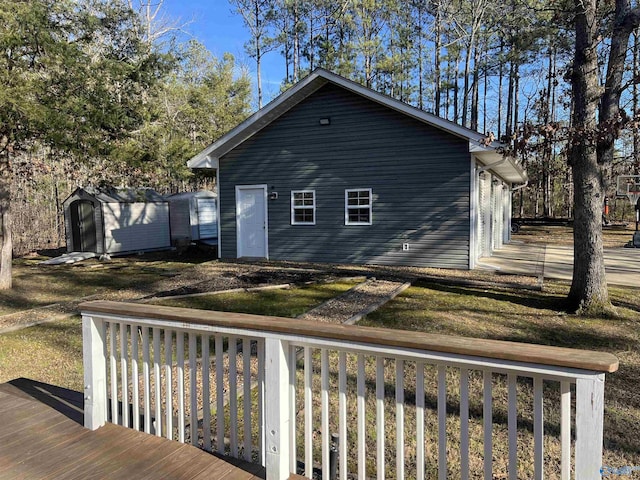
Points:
(548, 261)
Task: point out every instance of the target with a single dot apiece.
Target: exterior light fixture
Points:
(325, 121)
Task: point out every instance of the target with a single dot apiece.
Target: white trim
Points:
(303, 207)
(264, 187)
(473, 213)
(219, 196)
(347, 206)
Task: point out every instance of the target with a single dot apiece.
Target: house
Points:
(331, 171)
(122, 220)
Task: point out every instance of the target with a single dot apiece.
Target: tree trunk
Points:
(475, 89)
(588, 288)
(466, 89)
(636, 111)
(456, 89)
(257, 40)
(296, 43)
(6, 245)
(436, 63)
(500, 75)
(508, 124)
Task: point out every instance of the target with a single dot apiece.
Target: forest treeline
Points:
(102, 93)
(501, 68)
(105, 92)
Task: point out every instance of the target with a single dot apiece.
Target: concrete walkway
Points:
(622, 264)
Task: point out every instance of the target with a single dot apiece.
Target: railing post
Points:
(589, 426)
(95, 373)
(276, 407)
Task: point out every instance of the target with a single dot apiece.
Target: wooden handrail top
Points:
(497, 349)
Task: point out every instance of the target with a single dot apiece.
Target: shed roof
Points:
(188, 195)
(490, 155)
(121, 195)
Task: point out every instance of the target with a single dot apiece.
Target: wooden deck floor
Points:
(41, 438)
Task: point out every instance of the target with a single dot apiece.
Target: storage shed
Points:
(122, 220)
(193, 217)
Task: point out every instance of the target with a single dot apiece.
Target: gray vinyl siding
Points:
(419, 176)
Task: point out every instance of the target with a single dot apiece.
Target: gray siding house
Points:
(331, 171)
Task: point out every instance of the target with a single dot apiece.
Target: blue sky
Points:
(213, 23)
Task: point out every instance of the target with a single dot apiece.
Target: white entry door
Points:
(251, 221)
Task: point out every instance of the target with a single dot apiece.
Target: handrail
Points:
(497, 349)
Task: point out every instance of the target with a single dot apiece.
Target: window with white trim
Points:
(358, 206)
(303, 207)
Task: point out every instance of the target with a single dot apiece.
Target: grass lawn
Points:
(537, 317)
(37, 285)
(289, 302)
(52, 352)
(559, 235)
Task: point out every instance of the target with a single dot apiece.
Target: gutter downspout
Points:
(519, 187)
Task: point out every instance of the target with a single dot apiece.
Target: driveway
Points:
(546, 261)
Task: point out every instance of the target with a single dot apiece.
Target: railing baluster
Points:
(220, 394)
(233, 395)
(442, 422)
(157, 380)
(324, 410)
(246, 409)
(103, 333)
(113, 367)
(362, 434)
(400, 418)
(124, 374)
(420, 421)
(180, 359)
(261, 389)
(464, 424)
(538, 429)
(293, 362)
(193, 383)
(487, 416)
(135, 393)
(308, 418)
(380, 417)
(565, 429)
(168, 381)
(146, 372)
(342, 415)
(206, 394)
(513, 425)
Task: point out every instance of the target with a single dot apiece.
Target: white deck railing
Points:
(403, 404)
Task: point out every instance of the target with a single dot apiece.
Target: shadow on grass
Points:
(526, 298)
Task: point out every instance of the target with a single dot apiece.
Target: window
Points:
(358, 207)
(303, 207)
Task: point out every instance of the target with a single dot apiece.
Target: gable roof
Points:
(118, 195)
(506, 167)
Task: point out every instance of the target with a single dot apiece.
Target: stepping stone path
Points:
(354, 304)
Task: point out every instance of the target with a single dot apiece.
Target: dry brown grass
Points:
(559, 235)
(536, 317)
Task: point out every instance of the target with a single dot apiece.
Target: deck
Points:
(42, 437)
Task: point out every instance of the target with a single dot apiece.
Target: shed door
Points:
(83, 226)
(251, 221)
(207, 222)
